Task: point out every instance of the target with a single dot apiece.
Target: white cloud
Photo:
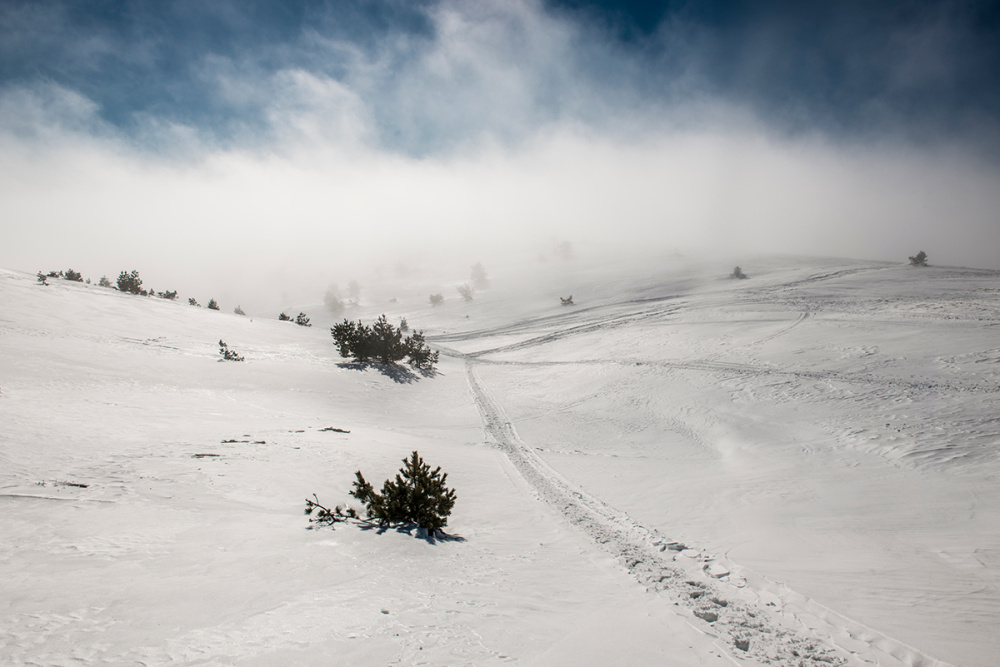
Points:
(316, 194)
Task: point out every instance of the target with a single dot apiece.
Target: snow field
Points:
(794, 469)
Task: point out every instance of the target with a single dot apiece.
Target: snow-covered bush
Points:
(193, 302)
(238, 311)
(213, 304)
(302, 320)
(73, 275)
(920, 259)
(437, 299)
(284, 318)
(104, 282)
(738, 273)
(418, 495)
(227, 354)
(466, 291)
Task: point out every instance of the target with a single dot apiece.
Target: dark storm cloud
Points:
(138, 59)
(917, 71)
(912, 72)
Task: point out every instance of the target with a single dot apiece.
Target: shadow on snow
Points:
(398, 374)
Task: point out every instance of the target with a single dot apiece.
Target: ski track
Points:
(800, 632)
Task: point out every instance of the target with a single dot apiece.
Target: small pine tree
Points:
(383, 343)
(437, 299)
(302, 320)
(466, 291)
(404, 326)
(332, 300)
(738, 273)
(479, 278)
(354, 291)
(418, 354)
(193, 302)
(227, 354)
(213, 304)
(417, 495)
(104, 282)
(920, 259)
(238, 311)
(130, 282)
(73, 275)
(284, 318)
(42, 278)
(170, 296)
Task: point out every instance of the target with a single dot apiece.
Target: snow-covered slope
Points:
(679, 469)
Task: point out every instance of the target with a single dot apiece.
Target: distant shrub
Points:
(193, 302)
(302, 320)
(284, 318)
(332, 300)
(55, 274)
(42, 278)
(437, 299)
(568, 301)
(73, 275)
(354, 291)
(404, 326)
(920, 259)
(130, 282)
(738, 274)
(383, 343)
(213, 304)
(170, 296)
(227, 354)
(479, 279)
(466, 291)
(417, 495)
(104, 282)
(239, 311)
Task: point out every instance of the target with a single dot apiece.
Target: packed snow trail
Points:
(720, 603)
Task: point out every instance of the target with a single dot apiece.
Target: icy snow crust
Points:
(795, 469)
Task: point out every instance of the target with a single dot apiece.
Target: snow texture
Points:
(795, 469)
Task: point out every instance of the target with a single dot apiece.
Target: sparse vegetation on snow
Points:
(130, 283)
(227, 354)
(417, 495)
(383, 343)
(466, 291)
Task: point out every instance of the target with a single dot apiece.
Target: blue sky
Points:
(746, 125)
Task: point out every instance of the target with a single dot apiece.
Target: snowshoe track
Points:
(743, 629)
